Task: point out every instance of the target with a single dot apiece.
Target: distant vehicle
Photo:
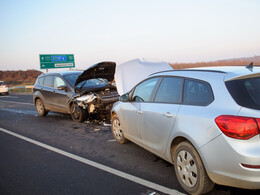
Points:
(76, 92)
(3, 88)
(206, 121)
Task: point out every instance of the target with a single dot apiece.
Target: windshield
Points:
(71, 79)
(93, 84)
(246, 92)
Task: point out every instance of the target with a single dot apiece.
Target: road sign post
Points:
(48, 61)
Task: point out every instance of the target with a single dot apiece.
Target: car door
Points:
(196, 111)
(159, 116)
(47, 91)
(60, 96)
(133, 115)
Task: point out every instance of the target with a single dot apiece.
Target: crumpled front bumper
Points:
(96, 103)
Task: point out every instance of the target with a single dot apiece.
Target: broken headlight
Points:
(87, 98)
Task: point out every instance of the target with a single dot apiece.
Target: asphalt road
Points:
(54, 155)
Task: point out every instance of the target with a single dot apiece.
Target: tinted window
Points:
(40, 80)
(71, 79)
(48, 81)
(169, 90)
(2, 83)
(245, 92)
(93, 84)
(144, 90)
(58, 82)
(197, 93)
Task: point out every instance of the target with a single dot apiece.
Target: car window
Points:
(71, 79)
(246, 92)
(48, 81)
(144, 90)
(197, 93)
(93, 84)
(58, 82)
(40, 80)
(2, 83)
(169, 90)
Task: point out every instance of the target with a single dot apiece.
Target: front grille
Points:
(108, 96)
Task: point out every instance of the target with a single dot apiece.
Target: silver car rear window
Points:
(246, 92)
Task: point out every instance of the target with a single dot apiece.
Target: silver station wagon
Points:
(205, 121)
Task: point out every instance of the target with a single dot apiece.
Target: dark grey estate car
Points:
(78, 93)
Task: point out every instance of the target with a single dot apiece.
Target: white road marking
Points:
(17, 102)
(30, 112)
(111, 140)
(97, 165)
(8, 96)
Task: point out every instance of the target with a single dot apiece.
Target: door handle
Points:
(168, 115)
(139, 112)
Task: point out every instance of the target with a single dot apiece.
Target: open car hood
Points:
(132, 72)
(105, 70)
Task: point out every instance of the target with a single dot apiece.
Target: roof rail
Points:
(193, 70)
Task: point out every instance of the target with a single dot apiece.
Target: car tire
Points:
(78, 114)
(40, 108)
(117, 130)
(6, 93)
(190, 170)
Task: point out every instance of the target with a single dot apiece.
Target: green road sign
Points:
(48, 61)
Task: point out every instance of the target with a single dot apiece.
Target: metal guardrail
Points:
(22, 88)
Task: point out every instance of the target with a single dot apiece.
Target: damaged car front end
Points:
(95, 93)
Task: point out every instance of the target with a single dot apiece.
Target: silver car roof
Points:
(228, 72)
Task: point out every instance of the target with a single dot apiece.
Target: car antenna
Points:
(250, 65)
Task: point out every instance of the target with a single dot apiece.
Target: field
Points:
(28, 77)
(232, 62)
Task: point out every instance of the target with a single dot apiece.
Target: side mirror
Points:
(63, 87)
(124, 98)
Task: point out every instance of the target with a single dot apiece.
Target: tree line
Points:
(232, 62)
(19, 77)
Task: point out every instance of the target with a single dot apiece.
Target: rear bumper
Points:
(4, 90)
(223, 156)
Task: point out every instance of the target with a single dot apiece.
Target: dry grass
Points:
(215, 63)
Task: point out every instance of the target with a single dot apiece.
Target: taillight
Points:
(238, 127)
(250, 166)
(258, 123)
(5, 86)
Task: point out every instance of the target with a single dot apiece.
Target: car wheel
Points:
(117, 130)
(6, 93)
(78, 114)
(190, 171)
(40, 108)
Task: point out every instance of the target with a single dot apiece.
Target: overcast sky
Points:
(121, 30)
